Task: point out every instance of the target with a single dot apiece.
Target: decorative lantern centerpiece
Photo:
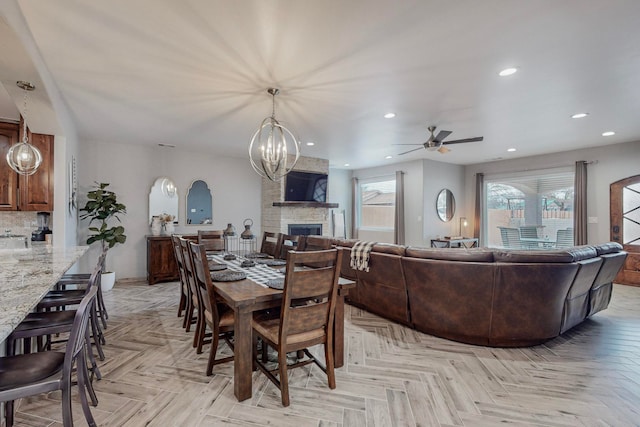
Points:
(247, 238)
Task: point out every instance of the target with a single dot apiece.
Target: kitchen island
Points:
(26, 275)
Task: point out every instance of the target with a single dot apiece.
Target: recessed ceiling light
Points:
(389, 115)
(608, 133)
(507, 72)
(346, 164)
(579, 115)
(389, 157)
(311, 144)
(511, 150)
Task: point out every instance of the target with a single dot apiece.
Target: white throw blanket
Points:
(360, 255)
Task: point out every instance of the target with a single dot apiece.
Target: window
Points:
(376, 209)
(526, 210)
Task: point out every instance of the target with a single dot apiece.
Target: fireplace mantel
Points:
(306, 204)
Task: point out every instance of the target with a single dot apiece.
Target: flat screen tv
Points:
(305, 187)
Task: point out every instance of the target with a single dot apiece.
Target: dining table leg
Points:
(242, 354)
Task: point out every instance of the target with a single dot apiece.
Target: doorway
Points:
(625, 226)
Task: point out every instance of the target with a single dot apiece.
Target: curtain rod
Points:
(391, 175)
(562, 165)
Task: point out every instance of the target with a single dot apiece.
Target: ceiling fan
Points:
(436, 143)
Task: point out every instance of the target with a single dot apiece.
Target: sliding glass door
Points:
(529, 210)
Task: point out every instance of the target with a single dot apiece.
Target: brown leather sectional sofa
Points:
(498, 298)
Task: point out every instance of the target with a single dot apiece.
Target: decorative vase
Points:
(230, 230)
(156, 226)
(169, 228)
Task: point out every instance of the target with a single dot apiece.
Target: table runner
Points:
(259, 273)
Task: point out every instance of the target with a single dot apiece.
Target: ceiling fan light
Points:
(443, 150)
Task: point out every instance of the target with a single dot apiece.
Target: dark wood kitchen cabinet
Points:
(26, 192)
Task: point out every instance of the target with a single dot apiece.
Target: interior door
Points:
(625, 226)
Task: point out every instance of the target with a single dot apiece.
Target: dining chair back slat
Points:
(288, 242)
(271, 243)
(213, 240)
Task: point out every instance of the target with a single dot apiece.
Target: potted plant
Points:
(102, 205)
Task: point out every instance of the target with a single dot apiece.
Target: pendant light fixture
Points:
(23, 157)
(272, 145)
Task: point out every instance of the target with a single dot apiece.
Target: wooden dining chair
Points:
(271, 243)
(302, 325)
(185, 290)
(217, 315)
(314, 243)
(29, 374)
(213, 240)
(288, 242)
(196, 303)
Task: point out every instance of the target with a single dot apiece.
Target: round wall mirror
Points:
(446, 205)
(199, 204)
(162, 201)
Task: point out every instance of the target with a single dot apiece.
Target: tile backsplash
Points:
(18, 222)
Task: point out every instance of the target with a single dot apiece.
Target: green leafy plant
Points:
(102, 205)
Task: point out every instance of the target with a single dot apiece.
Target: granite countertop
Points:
(26, 275)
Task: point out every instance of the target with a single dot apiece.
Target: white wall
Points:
(610, 163)
(131, 171)
(340, 192)
(438, 176)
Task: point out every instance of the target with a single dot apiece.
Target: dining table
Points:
(251, 295)
(26, 275)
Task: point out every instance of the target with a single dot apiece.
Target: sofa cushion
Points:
(451, 254)
(345, 243)
(608, 248)
(555, 256)
(389, 248)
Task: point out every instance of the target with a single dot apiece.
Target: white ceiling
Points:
(194, 73)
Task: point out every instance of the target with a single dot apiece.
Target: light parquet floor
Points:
(394, 376)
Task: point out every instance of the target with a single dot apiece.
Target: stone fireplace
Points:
(277, 218)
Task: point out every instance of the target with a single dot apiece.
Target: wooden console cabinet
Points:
(161, 261)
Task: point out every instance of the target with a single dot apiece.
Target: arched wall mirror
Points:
(163, 199)
(199, 204)
(445, 205)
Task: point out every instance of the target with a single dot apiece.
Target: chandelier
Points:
(23, 157)
(272, 145)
